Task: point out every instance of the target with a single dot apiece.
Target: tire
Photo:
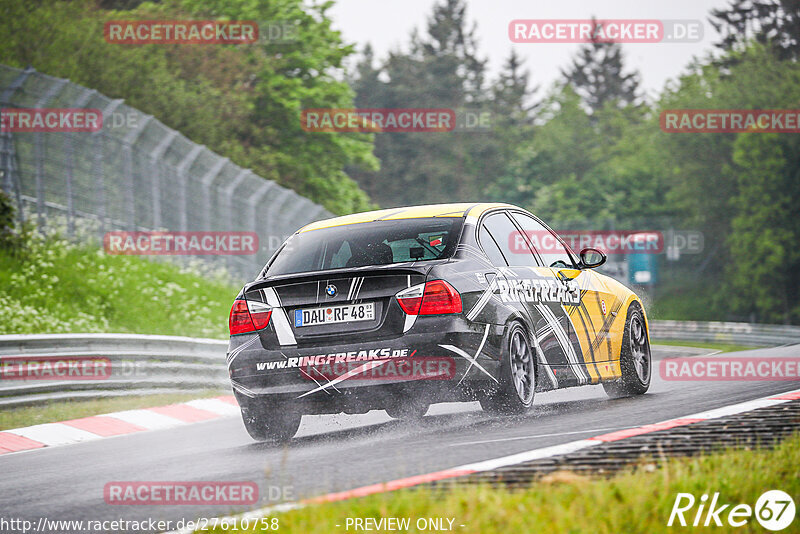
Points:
(277, 424)
(635, 359)
(515, 391)
(408, 411)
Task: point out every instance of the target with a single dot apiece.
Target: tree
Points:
(597, 75)
(741, 189)
(772, 22)
(442, 69)
(512, 93)
(242, 101)
(763, 277)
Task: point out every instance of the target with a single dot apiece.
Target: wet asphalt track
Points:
(333, 453)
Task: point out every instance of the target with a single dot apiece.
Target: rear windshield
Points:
(372, 243)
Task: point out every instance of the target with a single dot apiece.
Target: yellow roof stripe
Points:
(410, 212)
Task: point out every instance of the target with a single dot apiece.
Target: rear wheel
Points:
(517, 375)
(634, 360)
(408, 411)
(275, 424)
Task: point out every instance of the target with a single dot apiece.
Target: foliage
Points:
(6, 221)
(242, 101)
(59, 287)
(597, 75)
(772, 22)
(442, 69)
(742, 189)
(593, 151)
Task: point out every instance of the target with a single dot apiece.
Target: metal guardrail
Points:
(753, 335)
(138, 365)
(142, 364)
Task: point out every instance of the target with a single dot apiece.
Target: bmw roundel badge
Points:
(331, 290)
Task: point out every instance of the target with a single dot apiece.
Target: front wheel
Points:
(634, 360)
(517, 375)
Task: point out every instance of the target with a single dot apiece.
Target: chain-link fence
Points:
(136, 174)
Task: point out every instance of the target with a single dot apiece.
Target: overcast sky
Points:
(386, 24)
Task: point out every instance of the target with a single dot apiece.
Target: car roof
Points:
(464, 209)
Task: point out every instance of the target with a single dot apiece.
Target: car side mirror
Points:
(591, 258)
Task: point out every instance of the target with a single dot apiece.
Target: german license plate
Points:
(334, 314)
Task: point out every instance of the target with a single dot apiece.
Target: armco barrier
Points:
(142, 364)
(139, 365)
(753, 335)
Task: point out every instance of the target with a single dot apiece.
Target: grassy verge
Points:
(52, 286)
(634, 502)
(685, 299)
(64, 411)
(722, 347)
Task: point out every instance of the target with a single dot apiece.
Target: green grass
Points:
(685, 300)
(722, 347)
(66, 410)
(634, 502)
(52, 286)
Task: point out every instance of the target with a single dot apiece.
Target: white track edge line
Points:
(23, 431)
(535, 454)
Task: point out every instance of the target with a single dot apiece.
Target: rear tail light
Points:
(410, 299)
(259, 313)
(432, 298)
(248, 316)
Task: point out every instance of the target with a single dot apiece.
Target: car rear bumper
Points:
(442, 358)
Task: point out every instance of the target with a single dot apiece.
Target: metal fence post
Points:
(128, 142)
(181, 171)
(272, 214)
(254, 202)
(97, 164)
(296, 216)
(39, 154)
(157, 153)
(206, 181)
(69, 159)
(229, 191)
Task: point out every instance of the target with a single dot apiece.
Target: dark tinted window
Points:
(507, 235)
(549, 247)
(372, 243)
(490, 247)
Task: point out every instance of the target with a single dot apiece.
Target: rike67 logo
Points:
(774, 510)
